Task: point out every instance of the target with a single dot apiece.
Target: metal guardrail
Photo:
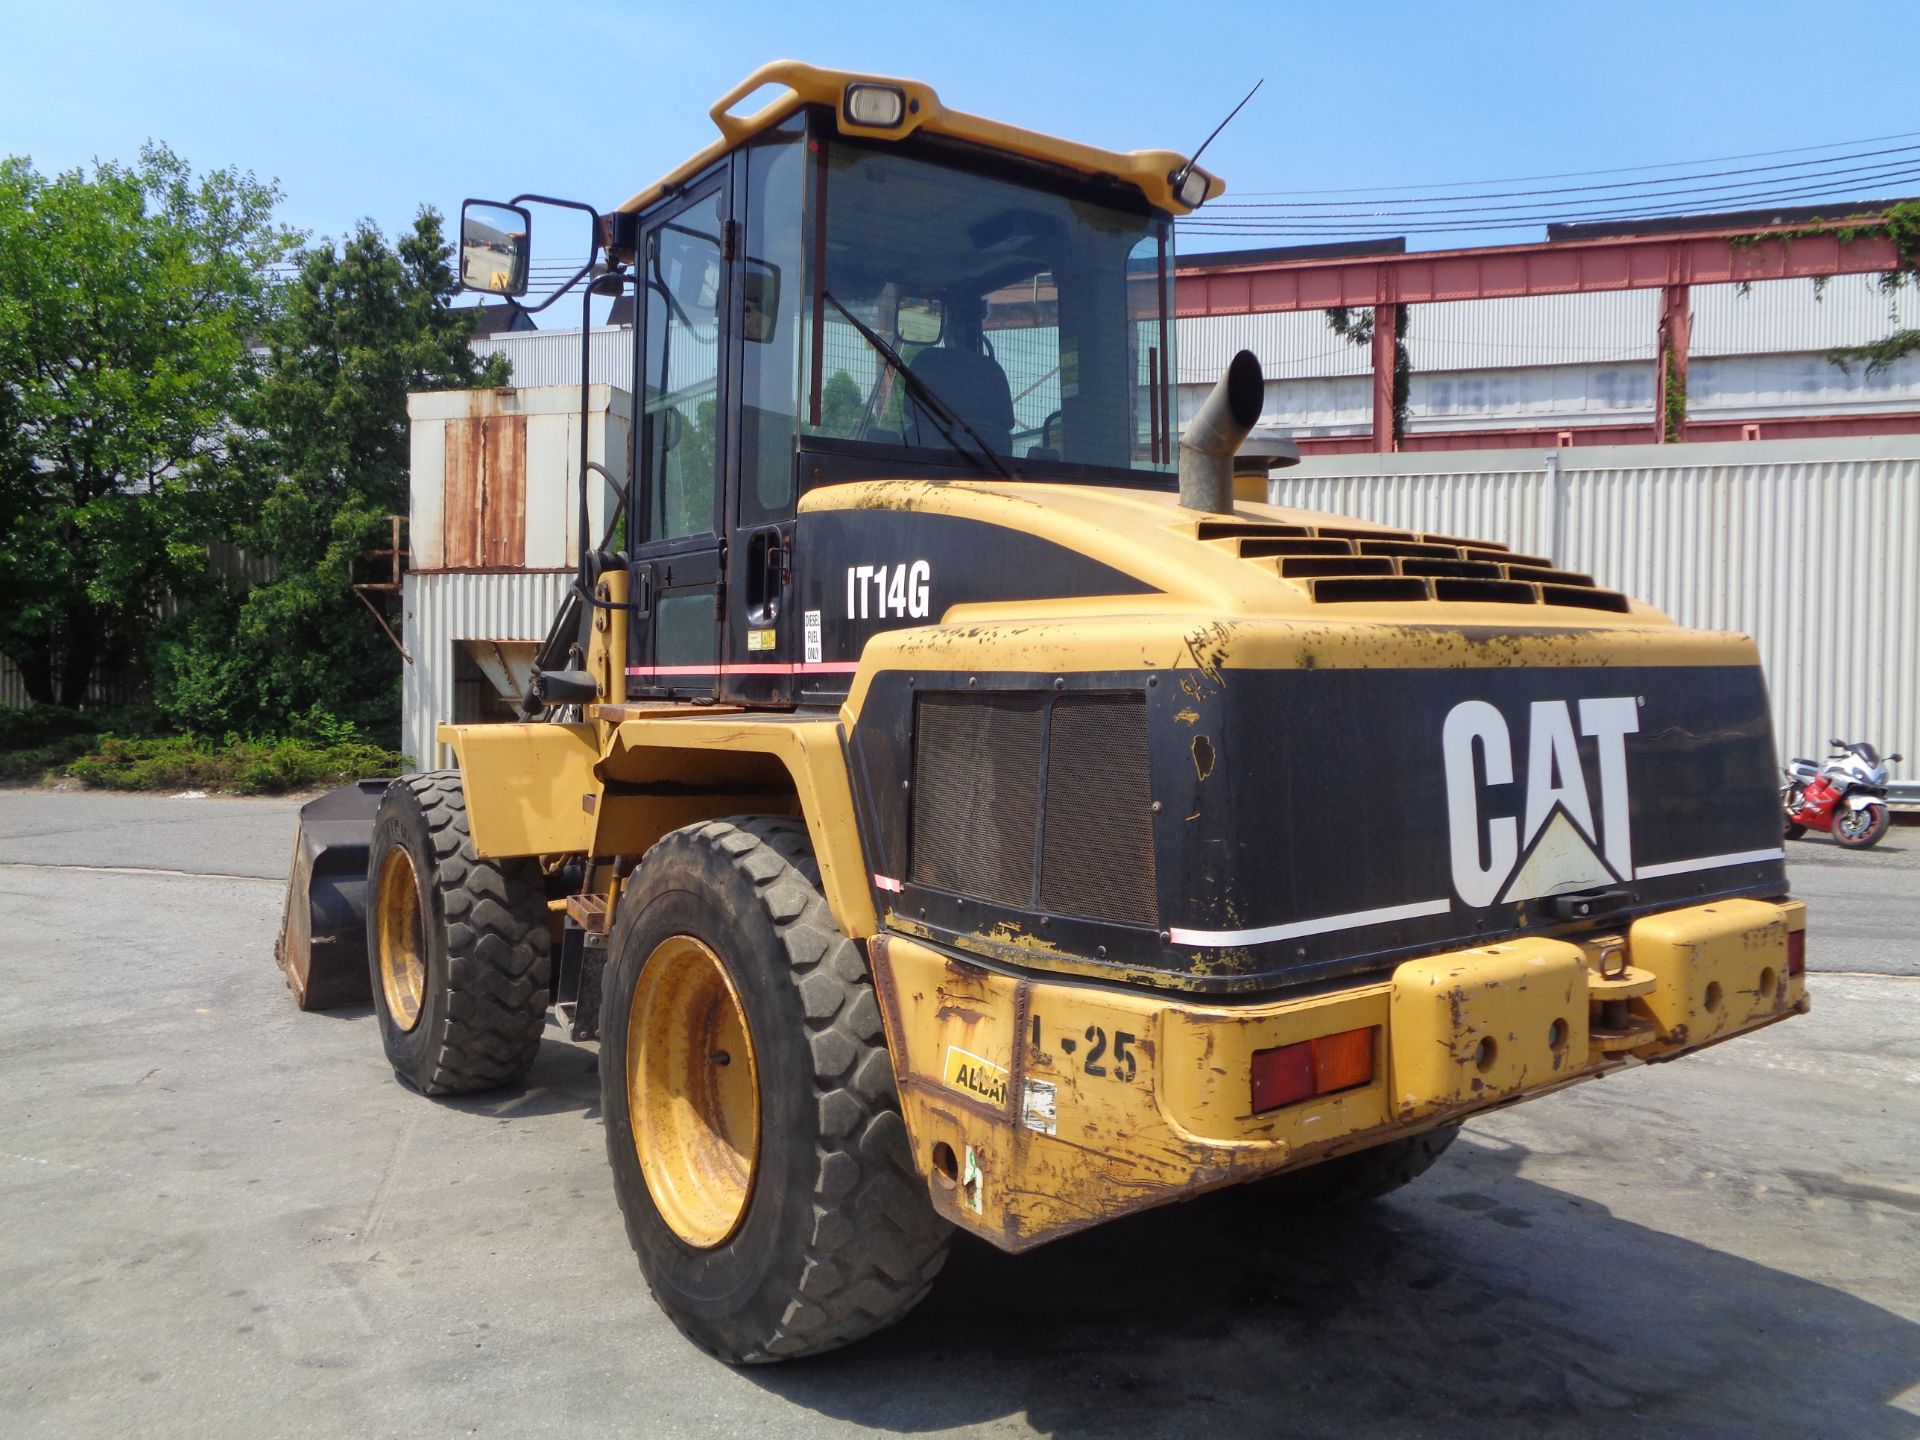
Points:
(1903, 792)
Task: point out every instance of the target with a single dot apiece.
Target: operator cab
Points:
(820, 300)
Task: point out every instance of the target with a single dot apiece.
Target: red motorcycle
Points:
(1847, 797)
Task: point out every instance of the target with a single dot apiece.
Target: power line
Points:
(1414, 225)
(1585, 174)
(1684, 188)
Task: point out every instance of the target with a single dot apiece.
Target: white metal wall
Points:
(1810, 546)
(552, 357)
(443, 607)
(1783, 317)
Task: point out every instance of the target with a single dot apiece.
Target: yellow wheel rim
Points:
(402, 939)
(693, 1091)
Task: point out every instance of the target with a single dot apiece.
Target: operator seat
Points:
(974, 386)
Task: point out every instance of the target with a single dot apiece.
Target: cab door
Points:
(679, 554)
(765, 642)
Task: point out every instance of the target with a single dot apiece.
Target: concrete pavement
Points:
(224, 1218)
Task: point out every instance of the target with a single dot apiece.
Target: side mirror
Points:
(1895, 759)
(920, 321)
(1837, 744)
(496, 248)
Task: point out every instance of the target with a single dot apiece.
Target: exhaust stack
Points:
(1212, 436)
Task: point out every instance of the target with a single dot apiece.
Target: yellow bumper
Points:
(1040, 1107)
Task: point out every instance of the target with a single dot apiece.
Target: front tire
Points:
(753, 1127)
(456, 945)
(1859, 829)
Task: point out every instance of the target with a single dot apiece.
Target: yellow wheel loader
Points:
(951, 806)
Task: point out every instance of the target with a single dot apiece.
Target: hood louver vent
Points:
(1340, 564)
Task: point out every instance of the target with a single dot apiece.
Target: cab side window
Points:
(770, 358)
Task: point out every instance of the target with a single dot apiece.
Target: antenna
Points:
(1178, 179)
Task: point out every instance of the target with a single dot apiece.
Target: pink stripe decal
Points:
(886, 882)
(829, 667)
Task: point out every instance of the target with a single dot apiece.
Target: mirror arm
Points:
(593, 250)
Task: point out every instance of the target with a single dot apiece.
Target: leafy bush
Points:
(29, 763)
(43, 739)
(248, 767)
(127, 749)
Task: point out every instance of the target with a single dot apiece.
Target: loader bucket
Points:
(323, 935)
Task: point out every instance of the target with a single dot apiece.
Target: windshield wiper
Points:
(941, 411)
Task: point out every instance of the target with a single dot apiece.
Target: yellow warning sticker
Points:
(759, 639)
(979, 1078)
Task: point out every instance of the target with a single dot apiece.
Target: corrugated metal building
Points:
(494, 528)
(1760, 536)
(1569, 361)
(1763, 537)
(1810, 546)
(1546, 362)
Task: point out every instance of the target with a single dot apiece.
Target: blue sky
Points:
(371, 110)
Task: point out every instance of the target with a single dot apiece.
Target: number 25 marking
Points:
(1122, 1062)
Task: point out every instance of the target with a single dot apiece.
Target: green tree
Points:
(1357, 329)
(841, 405)
(364, 323)
(128, 298)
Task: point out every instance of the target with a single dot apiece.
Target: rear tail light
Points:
(1292, 1073)
(1340, 1062)
(1796, 952)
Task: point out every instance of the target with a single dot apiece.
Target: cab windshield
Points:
(982, 320)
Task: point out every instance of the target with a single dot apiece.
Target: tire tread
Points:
(496, 939)
(876, 1242)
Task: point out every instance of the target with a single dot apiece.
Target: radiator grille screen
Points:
(976, 794)
(977, 806)
(1097, 852)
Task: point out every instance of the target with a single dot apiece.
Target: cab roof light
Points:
(1324, 1065)
(880, 107)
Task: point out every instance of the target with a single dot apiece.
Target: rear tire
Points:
(456, 945)
(1362, 1176)
(790, 1219)
(1869, 825)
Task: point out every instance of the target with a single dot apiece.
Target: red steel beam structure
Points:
(1386, 331)
(1676, 342)
(1560, 267)
(1670, 263)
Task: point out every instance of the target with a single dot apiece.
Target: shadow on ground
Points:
(564, 1080)
(1477, 1302)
